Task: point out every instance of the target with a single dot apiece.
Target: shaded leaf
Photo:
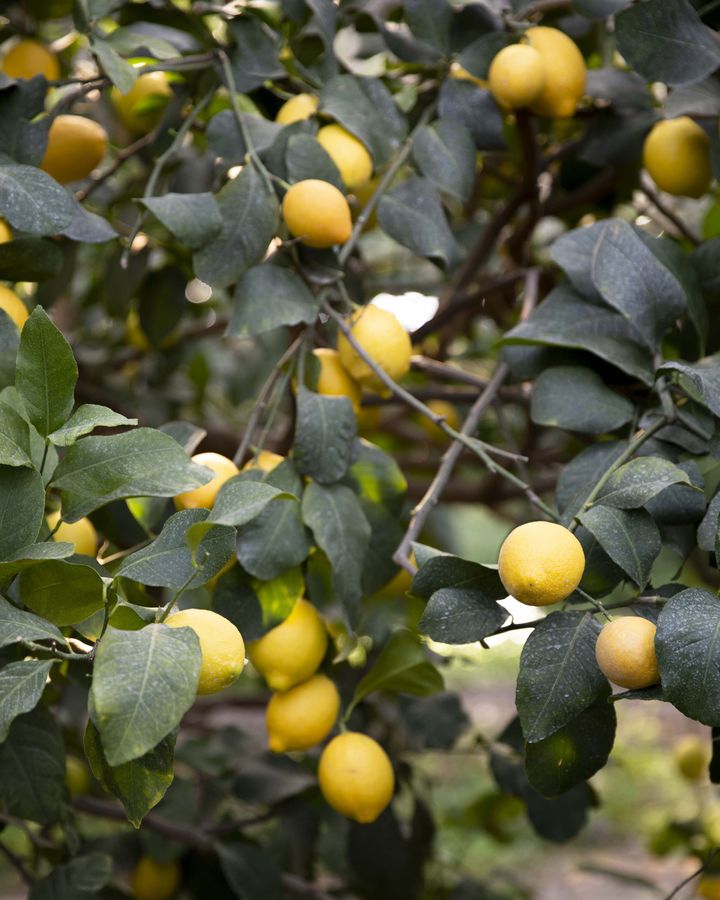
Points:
(325, 430)
(21, 686)
(630, 538)
(268, 297)
(576, 398)
(62, 592)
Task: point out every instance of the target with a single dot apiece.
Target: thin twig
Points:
(54, 652)
(120, 158)
(676, 890)
(648, 189)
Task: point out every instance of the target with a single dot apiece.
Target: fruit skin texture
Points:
(221, 645)
(13, 306)
(265, 460)
(204, 497)
(303, 716)
(76, 145)
(128, 106)
(356, 776)
(81, 533)
(676, 153)
(541, 563)
(333, 380)
(29, 58)
(625, 652)
(516, 76)
(564, 70)
(348, 153)
(317, 213)
(383, 338)
(297, 108)
(152, 880)
(692, 757)
(291, 651)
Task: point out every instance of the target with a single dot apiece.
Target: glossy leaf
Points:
(62, 592)
(630, 538)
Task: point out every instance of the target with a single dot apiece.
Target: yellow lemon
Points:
(297, 108)
(541, 563)
(516, 76)
(564, 72)
(13, 306)
(28, 58)
(709, 887)
(692, 756)
(81, 533)
(440, 408)
(6, 232)
(152, 880)
(76, 145)
(142, 107)
(291, 651)
(317, 213)
(265, 460)
(356, 776)
(625, 652)
(302, 716)
(676, 153)
(77, 777)
(204, 497)
(221, 646)
(333, 380)
(348, 153)
(383, 338)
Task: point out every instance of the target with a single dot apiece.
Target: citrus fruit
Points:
(77, 777)
(516, 76)
(152, 880)
(317, 213)
(356, 776)
(564, 72)
(291, 651)
(676, 154)
(27, 58)
(302, 716)
(204, 497)
(692, 756)
(333, 380)
(76, 145)
(297, 108)
(6, 232)
(142, 107)
(625, 652)
(440, 408)
(383, 338)
(221, 645)
(265, 460)
(709, 887)
(13, 306)
(348, 153)
(541, 563)
(81, 533)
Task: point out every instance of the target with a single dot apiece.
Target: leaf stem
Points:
(34, 647)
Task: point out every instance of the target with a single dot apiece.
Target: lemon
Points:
(142, 107)
(297, 108)
(348, 153)
(676, 154)
(440, 408)
(692, 756)
(625, 652)
(516, 76)
(13, 306)
(333, 380)
(77, 777)
(265, 460)
(152, 880)
(383, 338)
(204, 497)
(356, 776)
(362, 194)
(709, 887)
(302, 716)
(27, 58)
(75, 147)
(6, 232)
(541, 563)
(221, 645)
(81, 533)
(317, 213)
(291, 651)
(564, 72)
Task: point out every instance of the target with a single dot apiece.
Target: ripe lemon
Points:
(383, 338)
(440, 408)
(303, 716)
(348, 153)
(152, 880)
(709, 887)
(356, 776)
(75, 147)
(292, 651)
(221, 645)
(516, 76)
(625, 652)
(676, 153)
(317, 213)
(142, 107)
(265, 460)
(204, 497)
(13, 306)
(333, 380)
(297, 108)
(541, 563)
(6, 232)
(77, 777)
(692, 756)
(28, 58)
(81, 533)
(564, 72)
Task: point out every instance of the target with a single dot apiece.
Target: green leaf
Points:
(62, 592)
(286, 300)
(577, 399)
(46, 373)
(194, 219)
(274, 541)
(402, 668)
(630, 538)
(559, 677)
(226, 140)
(17, 625)
(442, 570)
(239, 502)
(80, 879)
(638, 481)
(143, 684)
(29, 556)
(122, 73)
(256, 54)
(579, 476)
(377, 476)
(430, 22)
(9, 342)
(445, 153)
(305, 157)
(32, 201)
(139, 784)
(461, 616)
(700, 379)
(21, 686)
(466, 103)
(30, 259)
(250, 871)
(22, 504)
(477, 56)
(86, 419)
(14, 438)
(87, 228)
(140, 463)
(278, 596)
(325, 431)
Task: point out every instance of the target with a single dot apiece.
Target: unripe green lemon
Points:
(81, 533)
(383, 338)
(348, 153)
(221, 645)
(541, 563)
(204, 496)
(13, 306)
(291, 651)
(297, 108)
(77, 776)
(676, 153)
(333, 380)
(27, 58)
(516, 76)
(76, 145)
(692, 756)
(625, 652)
(152, 880)
(142, 107)
(303, 716)
(564, 72)
(356, 777)
(317, 213)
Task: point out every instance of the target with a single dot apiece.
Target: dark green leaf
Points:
(477, 56)
(576, 398)
(226, 140)
(29, 556)
(268, 297)
(630, 538)
(256, 55)
(32, 768)
(30, 259)
(700, 379)
(461, 616)
(638, 481)
(22, 503)
(87, 228)
(442, 570)
(445, 153)
(580, 475)
(17, 625)
(21, 686)
(14, 438)
(194, 219)
(250, 871)
(32, 201)
(435, 722)
(86, 419)
(305, 157)
(325, 431)
(62, 592)
(122, 73)
(402, 668)
(274, 541)
(430, 21)
(80, 879)
(473, 107)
